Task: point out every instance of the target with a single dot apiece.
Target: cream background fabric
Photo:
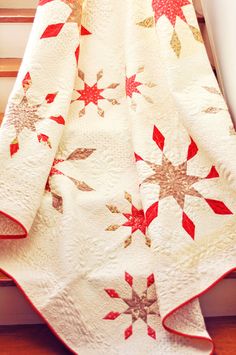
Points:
(160, 100)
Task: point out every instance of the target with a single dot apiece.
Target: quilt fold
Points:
(117, 156)
(35, 117)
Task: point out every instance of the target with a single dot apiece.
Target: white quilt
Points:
(118, 177)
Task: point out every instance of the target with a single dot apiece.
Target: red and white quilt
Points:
(118, 177)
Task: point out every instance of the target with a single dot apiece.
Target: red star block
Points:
(169, 8)
(138, 306)
(90, 94)
(136, 220)
(175, 181)
(132, 85)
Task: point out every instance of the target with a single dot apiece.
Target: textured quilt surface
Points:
(118, 177)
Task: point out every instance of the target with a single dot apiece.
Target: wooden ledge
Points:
(6, 281)
(37, 339)
(33, 339)
(17, 15)
(223, 332)
(9, 67)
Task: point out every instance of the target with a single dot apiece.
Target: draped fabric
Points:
(221, 25)
(118, 177)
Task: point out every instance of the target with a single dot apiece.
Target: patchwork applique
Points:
(171, 9)
(133, 87)
(140, 306)
(93, 94)
(135, 219)
(175, 181)
(75, 16)
(24, 115)
(77, 154)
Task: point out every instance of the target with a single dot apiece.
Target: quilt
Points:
(118, 177)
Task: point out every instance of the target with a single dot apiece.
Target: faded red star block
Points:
(28, 116)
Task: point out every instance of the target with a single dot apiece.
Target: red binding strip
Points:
(39, 313)
(13, 236)
(172, 330)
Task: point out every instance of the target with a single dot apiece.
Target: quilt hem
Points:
(174, 331)
(169, 329)
(38, 312)
(13, 236)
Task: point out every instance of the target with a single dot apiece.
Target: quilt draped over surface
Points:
(118, 176)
